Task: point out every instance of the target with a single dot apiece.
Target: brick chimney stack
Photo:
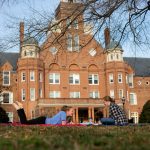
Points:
(21, 33)
(107, 37)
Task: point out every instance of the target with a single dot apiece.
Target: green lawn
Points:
(74, 138)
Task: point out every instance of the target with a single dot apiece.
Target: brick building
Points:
(72, 71)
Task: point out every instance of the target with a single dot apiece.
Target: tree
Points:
(145, 115)
(127, 20)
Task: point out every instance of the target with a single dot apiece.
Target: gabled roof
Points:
(141, 66)
(12, 58)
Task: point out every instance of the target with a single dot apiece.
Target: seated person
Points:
(116, 114)
(59, 119)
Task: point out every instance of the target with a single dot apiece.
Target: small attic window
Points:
(92, 52)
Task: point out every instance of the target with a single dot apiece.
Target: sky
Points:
(21, 10)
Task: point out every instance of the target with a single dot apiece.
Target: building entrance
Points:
(83, 115)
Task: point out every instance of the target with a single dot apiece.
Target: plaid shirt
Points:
(117, 113)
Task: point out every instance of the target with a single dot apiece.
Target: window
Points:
(6, 78)
(10, 116)
(121, 93)
(134, 115)
(75, 24)
(23, 95)
(23, 76)
(69, 42)
(54, 94)
(40, 92)
(40, 77)
(7, 98)
(68, 23)
(112, 94)
(54, 78)
(130, 80)
(112, 57)
(76, 42)
(53, 50)
(117, 56)
(133, 99)
(92, 52)
(32, 94)
(93, 79)
(74, 79)
(119, 77)
(74, 94)
(94, 94)
(32, 76)
(111, 78)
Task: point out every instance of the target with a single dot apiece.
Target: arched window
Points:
(76, 42)
(69, 42)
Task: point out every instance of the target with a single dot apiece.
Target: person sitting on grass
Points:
(116, 114)
(59, 119)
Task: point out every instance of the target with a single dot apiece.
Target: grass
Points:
(74, 138)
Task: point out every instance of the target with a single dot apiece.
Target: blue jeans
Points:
(107, 121)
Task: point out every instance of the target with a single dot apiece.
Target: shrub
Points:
(145, 115)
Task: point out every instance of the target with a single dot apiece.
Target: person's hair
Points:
(66, 108)
(109, 99)
(69, 119)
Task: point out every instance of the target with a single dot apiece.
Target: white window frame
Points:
(32, 76)
(32, 94)
(134, 101)
(130, 80)
(93, 79)
(10, 116)
(74, 94)
(75, 78)
(8, 75)
(54, 94)
(135, 117)
(23, 76)
(94, 94)
(112, 93)
(120, 92)
(54, 79)
(10, 100)
(111, 78)
(119, 77)
(23, 94)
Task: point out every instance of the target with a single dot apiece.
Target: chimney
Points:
(107, 37)
(21, 33)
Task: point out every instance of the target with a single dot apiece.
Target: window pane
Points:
(6, 98)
